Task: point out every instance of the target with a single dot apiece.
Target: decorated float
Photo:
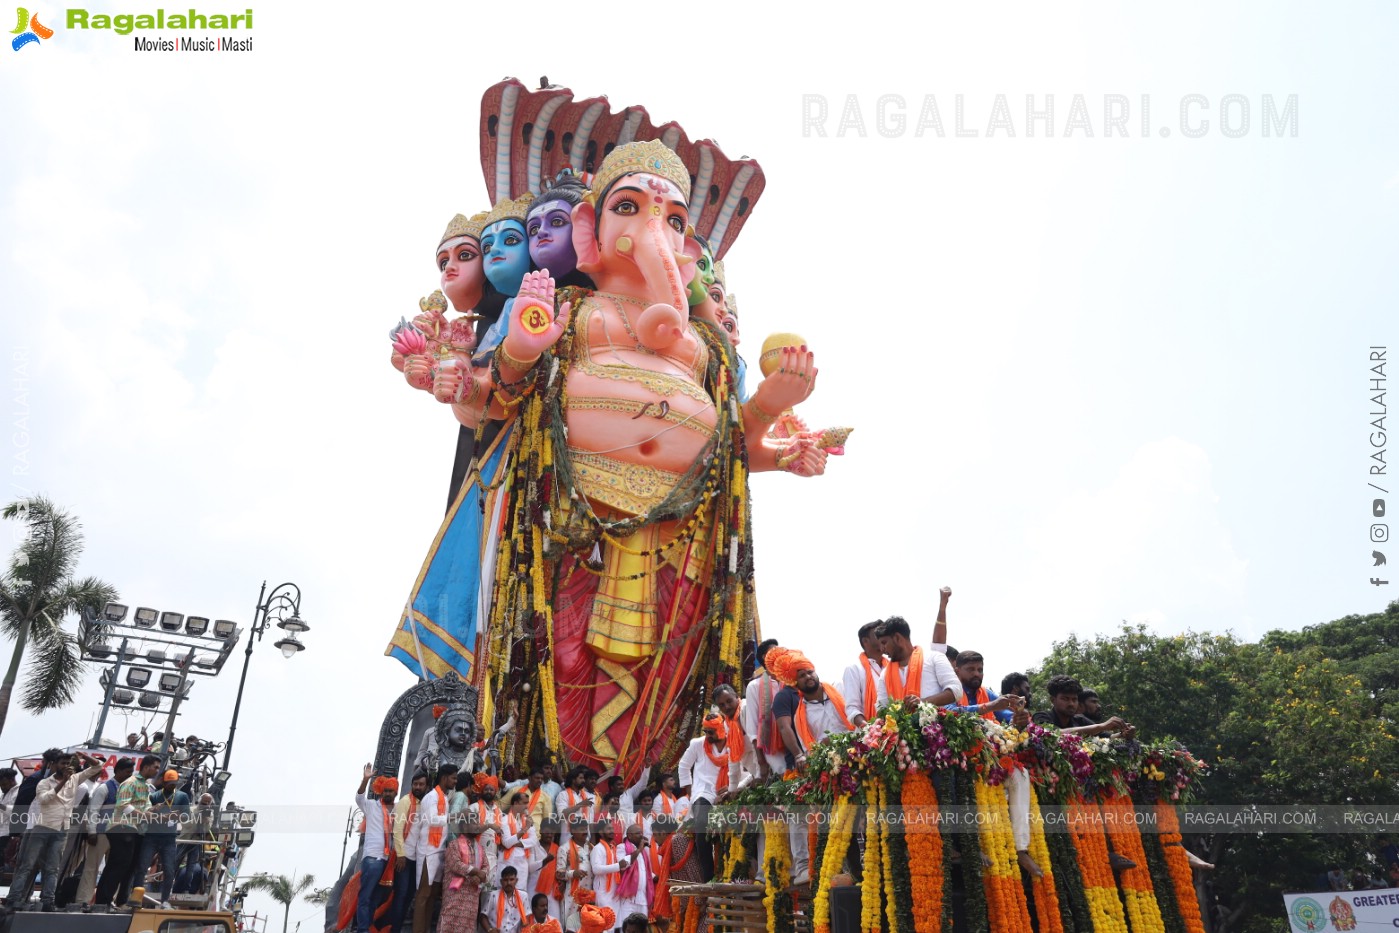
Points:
(911, 812)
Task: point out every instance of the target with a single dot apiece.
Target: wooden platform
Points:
(737, 907)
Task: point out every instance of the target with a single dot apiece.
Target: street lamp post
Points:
(283, 605)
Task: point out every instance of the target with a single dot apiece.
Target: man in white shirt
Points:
(9, 790)
(758, 721)
(43, 843)
(507, 910)
(430, 842)
(574, 799)
(859, 683)
(912, 674)
(378, 841)
(575, 870)
(708, 775)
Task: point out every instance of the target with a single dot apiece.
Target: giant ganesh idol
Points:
(597, 566)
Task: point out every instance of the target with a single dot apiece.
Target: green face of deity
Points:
(698, 288)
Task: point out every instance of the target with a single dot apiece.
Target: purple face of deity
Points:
(550, 230)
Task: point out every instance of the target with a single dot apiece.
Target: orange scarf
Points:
(434, 833)
(769, 736)
(481, 815)
(668, 801)
(721, 783)
(510, 821)
(546, 880)
(573, 869)
(611, 860)
(871, 702)
(734, 738)
(500, 908)
(912, 682)
(660, 868)
(808, 738)
(534, 800)
(982, 697)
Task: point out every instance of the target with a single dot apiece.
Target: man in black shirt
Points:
(1064, 692)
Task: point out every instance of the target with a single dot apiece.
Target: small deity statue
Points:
(450, 742)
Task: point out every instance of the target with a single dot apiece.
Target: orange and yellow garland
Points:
(1182, 879)
(920, 810)
(1099, 887)
(1142, 910)
(831, 860)
(886, 858)
(1045, 894)
(1005, 898)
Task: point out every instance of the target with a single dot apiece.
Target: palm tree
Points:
(37, 592)
(281, 890)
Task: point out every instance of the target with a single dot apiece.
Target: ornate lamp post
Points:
(282, 605)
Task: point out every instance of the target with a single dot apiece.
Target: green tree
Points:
(37, 593)
(282, 890)
(1300, 718)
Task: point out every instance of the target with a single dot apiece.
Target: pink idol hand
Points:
(417, 369)
(793, 382)
(534, 327)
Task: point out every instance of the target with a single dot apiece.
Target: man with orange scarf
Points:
(758, 722)
(708, 775)
(912, 675)
(430, 842)
(807, 710)
(378, 842)
(861, 678)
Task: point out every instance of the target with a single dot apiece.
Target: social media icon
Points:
(1377, 507)
(1379, 533)
(1379, 558)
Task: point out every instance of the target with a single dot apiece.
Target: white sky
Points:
(1092, 379)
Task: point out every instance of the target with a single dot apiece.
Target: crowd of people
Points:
(479, 853)
(89, 833)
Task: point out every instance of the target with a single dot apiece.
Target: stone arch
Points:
(445, 691)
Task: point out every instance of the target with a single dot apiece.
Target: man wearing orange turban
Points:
(806, 710)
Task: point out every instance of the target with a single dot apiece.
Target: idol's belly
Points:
(640, 417)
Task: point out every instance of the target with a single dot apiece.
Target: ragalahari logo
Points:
(28, 29)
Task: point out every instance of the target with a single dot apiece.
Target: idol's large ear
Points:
(688, 270)
(585, 238)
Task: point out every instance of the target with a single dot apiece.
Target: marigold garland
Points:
(888, 860)
(1142, 910)
(1005, 897)
(777, 873)
(920, 811)
(870, 899)
(692, 915)
(1182, 880)
(735, 858)
(837, 843)
(969, 842)
(1099, 886)
(1043, 888)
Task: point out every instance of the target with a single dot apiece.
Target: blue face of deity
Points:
(505, 255)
